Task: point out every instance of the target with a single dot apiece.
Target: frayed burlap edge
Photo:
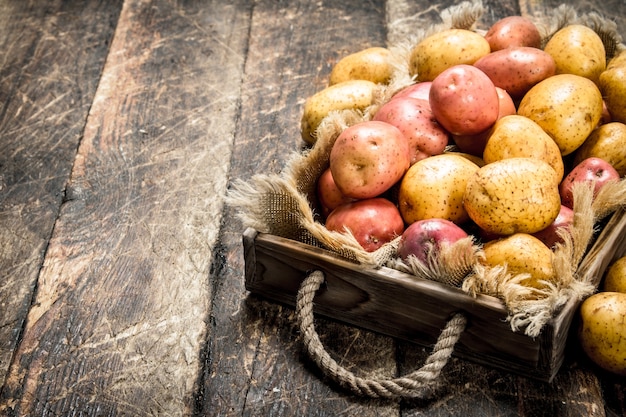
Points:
(284, 204)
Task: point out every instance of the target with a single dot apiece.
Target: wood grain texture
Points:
(121, 123)
(122, 298)
(255, 362)
(51, 59)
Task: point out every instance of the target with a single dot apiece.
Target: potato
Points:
(372, 64)
(517, 136)
(464, 100)
(592, 170)
(418, 90)
(354, 94)
(550, 235)
(513, 195)
(442, 50)
(328, 194)
(517, 69)
(568, 107)
(522, 253)
(417, 123)
(577, 50)
(373, 221)
(513, 31)
(613, 86)
(368, 158)
(475, 144)
(434, 187)
(425, 238)
(615, 277)
(602, 331)
(607, 142)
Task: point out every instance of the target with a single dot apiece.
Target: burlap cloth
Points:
(285, 205)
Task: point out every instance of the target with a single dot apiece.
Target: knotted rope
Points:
(415, 385)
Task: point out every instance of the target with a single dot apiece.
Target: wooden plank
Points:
(50, 62)
(256, 365)
(393, 303)
(119, 315)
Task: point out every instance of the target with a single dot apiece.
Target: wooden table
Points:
(122, 124)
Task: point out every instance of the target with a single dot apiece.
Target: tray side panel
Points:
(392, 303)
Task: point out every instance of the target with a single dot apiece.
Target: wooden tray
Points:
(406, 307)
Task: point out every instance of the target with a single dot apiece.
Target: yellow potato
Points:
(577, 49)
(618, 60)
(602, 331)
(522, 253)
(353, 94)
(440, 51)
(566, 106)
(434, 187)
(513, 195)
(517, 136)
(615, 277)
(613, 86)
(372, 64)
(607, 142)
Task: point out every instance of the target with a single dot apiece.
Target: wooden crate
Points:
(402, 306)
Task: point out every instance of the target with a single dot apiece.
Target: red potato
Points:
(427, 235)
(415, 120)
(419, 90)
(517, 69)
(475, 144)
(368, 158)
(513, 31)
(464, 100)
(549, 235)
(373, 221)
(595, 170)
(328, 194)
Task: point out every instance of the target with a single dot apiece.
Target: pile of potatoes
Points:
(486, 142)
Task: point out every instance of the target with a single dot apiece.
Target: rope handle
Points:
(415, 385)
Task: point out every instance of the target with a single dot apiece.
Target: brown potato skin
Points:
(602, 331)
(434, 187)
(352, 94)
(371, 64)
(615, 277)
(607, 142)
(578, 50)
(444, 49)
(517, 69)
(518, 136)
(567, 106)
(514, 195)
(522, 253)
(612, 83)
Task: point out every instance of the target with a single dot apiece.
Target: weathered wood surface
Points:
(47, 85)
(121, 286)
